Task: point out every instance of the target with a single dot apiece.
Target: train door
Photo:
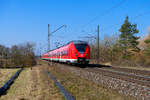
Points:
(68, 53)
(60, 56)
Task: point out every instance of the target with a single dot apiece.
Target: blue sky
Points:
(27, 20)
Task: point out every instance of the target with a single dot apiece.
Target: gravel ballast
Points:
(124, 87)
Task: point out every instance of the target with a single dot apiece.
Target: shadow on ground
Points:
(92, 66)
(84, 66)
(98, 65)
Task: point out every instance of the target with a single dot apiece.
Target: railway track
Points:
(134, 83)
(139, 77)
(134, 71)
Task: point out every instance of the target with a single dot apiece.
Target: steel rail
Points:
(5, 87)
(117, 75)
(141, 80)
(61, 88)
(129, 74)
(134, 71)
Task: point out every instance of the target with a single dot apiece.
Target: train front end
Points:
(82, 52)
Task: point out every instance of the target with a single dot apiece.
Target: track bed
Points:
(125, 82)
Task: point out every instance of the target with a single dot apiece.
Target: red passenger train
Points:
(74, 52)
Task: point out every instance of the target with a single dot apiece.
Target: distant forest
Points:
(125, 49)
(17, 56)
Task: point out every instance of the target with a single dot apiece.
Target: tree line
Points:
(127, 48)
(17, 56)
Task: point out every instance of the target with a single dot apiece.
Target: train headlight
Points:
(76, 54)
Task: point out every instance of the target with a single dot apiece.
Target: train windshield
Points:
(81, 47)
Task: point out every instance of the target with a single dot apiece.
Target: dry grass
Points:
(33, 85)
(5, 75)
(83, 89)
(19, 88)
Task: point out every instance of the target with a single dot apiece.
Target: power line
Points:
(108, 27)
(142, 14)
(97, 43)
(106, 12)
(48, 38)
(58, 29)
(51, 33)
(137, 16)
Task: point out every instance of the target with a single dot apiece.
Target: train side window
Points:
(67, 52)
(64, 52)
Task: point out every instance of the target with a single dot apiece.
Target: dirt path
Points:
(42, 87)
(33, 85)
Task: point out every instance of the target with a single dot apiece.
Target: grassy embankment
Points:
(83, 89)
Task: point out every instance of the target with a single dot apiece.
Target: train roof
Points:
(74, 41)
(79, 42)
